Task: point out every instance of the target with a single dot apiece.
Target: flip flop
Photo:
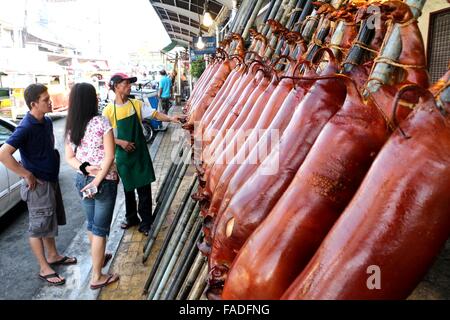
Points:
(111, 279)
(125, 224)
(52, 275)
(108, 257)
(64, 261)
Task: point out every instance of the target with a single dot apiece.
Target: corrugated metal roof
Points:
(181, 18)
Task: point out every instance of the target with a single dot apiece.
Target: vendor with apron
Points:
(132, 156)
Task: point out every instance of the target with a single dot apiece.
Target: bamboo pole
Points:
(165, 208)
(194, 271)
(181, 209)
(174, 284)
(249, 24)
(199, 285)
(161, 267)
(192, 228)
(391, 50)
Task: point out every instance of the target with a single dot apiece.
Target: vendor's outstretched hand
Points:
(179, 118)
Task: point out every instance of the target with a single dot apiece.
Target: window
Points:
(438, 44)
(5, 133)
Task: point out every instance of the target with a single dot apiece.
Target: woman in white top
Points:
(89, 148)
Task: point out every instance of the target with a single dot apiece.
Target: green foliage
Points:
(197, 68)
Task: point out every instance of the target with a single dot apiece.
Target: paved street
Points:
(16, 259)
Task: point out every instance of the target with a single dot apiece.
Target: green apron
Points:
(136, 167)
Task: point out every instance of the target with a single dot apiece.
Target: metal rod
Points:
(191, 276)
(199, 285)
(175, 283)
(165, 208)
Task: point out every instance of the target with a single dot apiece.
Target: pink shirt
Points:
(91, 148)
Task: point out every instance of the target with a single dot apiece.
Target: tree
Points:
(197, 68)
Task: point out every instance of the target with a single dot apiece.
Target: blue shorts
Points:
(99, 210)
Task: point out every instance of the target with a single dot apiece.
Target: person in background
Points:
(132, 156)
(39, 168)
(89, 148)
(165, 91)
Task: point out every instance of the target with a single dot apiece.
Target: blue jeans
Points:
(99, 210)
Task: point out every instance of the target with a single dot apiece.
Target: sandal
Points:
(64, 261)
(127, 224)
(111, 279)
(52, 275)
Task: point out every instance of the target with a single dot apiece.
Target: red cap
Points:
(119, 77)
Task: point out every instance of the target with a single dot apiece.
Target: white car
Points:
(9, 181)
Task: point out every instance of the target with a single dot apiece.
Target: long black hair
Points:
(83, 106)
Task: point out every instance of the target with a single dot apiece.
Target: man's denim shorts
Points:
(99, 210)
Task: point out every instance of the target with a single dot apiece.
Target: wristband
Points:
(83, 168)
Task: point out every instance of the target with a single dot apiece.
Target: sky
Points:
(125, 26)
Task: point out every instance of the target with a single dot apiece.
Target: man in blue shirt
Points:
(39, 168)
(165, 91)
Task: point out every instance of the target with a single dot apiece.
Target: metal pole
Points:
(176, 281)
(160, 218)
(185, 223)
(192, 275)
(192, 228)
(392, 50)
(199, 285)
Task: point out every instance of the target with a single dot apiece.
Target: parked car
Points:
(9, 181)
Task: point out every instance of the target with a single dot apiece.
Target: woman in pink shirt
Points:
(89, 148)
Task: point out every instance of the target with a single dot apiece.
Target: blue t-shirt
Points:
(165, 84)
(36, 144)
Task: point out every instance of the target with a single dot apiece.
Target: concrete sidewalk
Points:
(128, 260)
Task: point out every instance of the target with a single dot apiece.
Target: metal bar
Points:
(192, 275)
(160, 218)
